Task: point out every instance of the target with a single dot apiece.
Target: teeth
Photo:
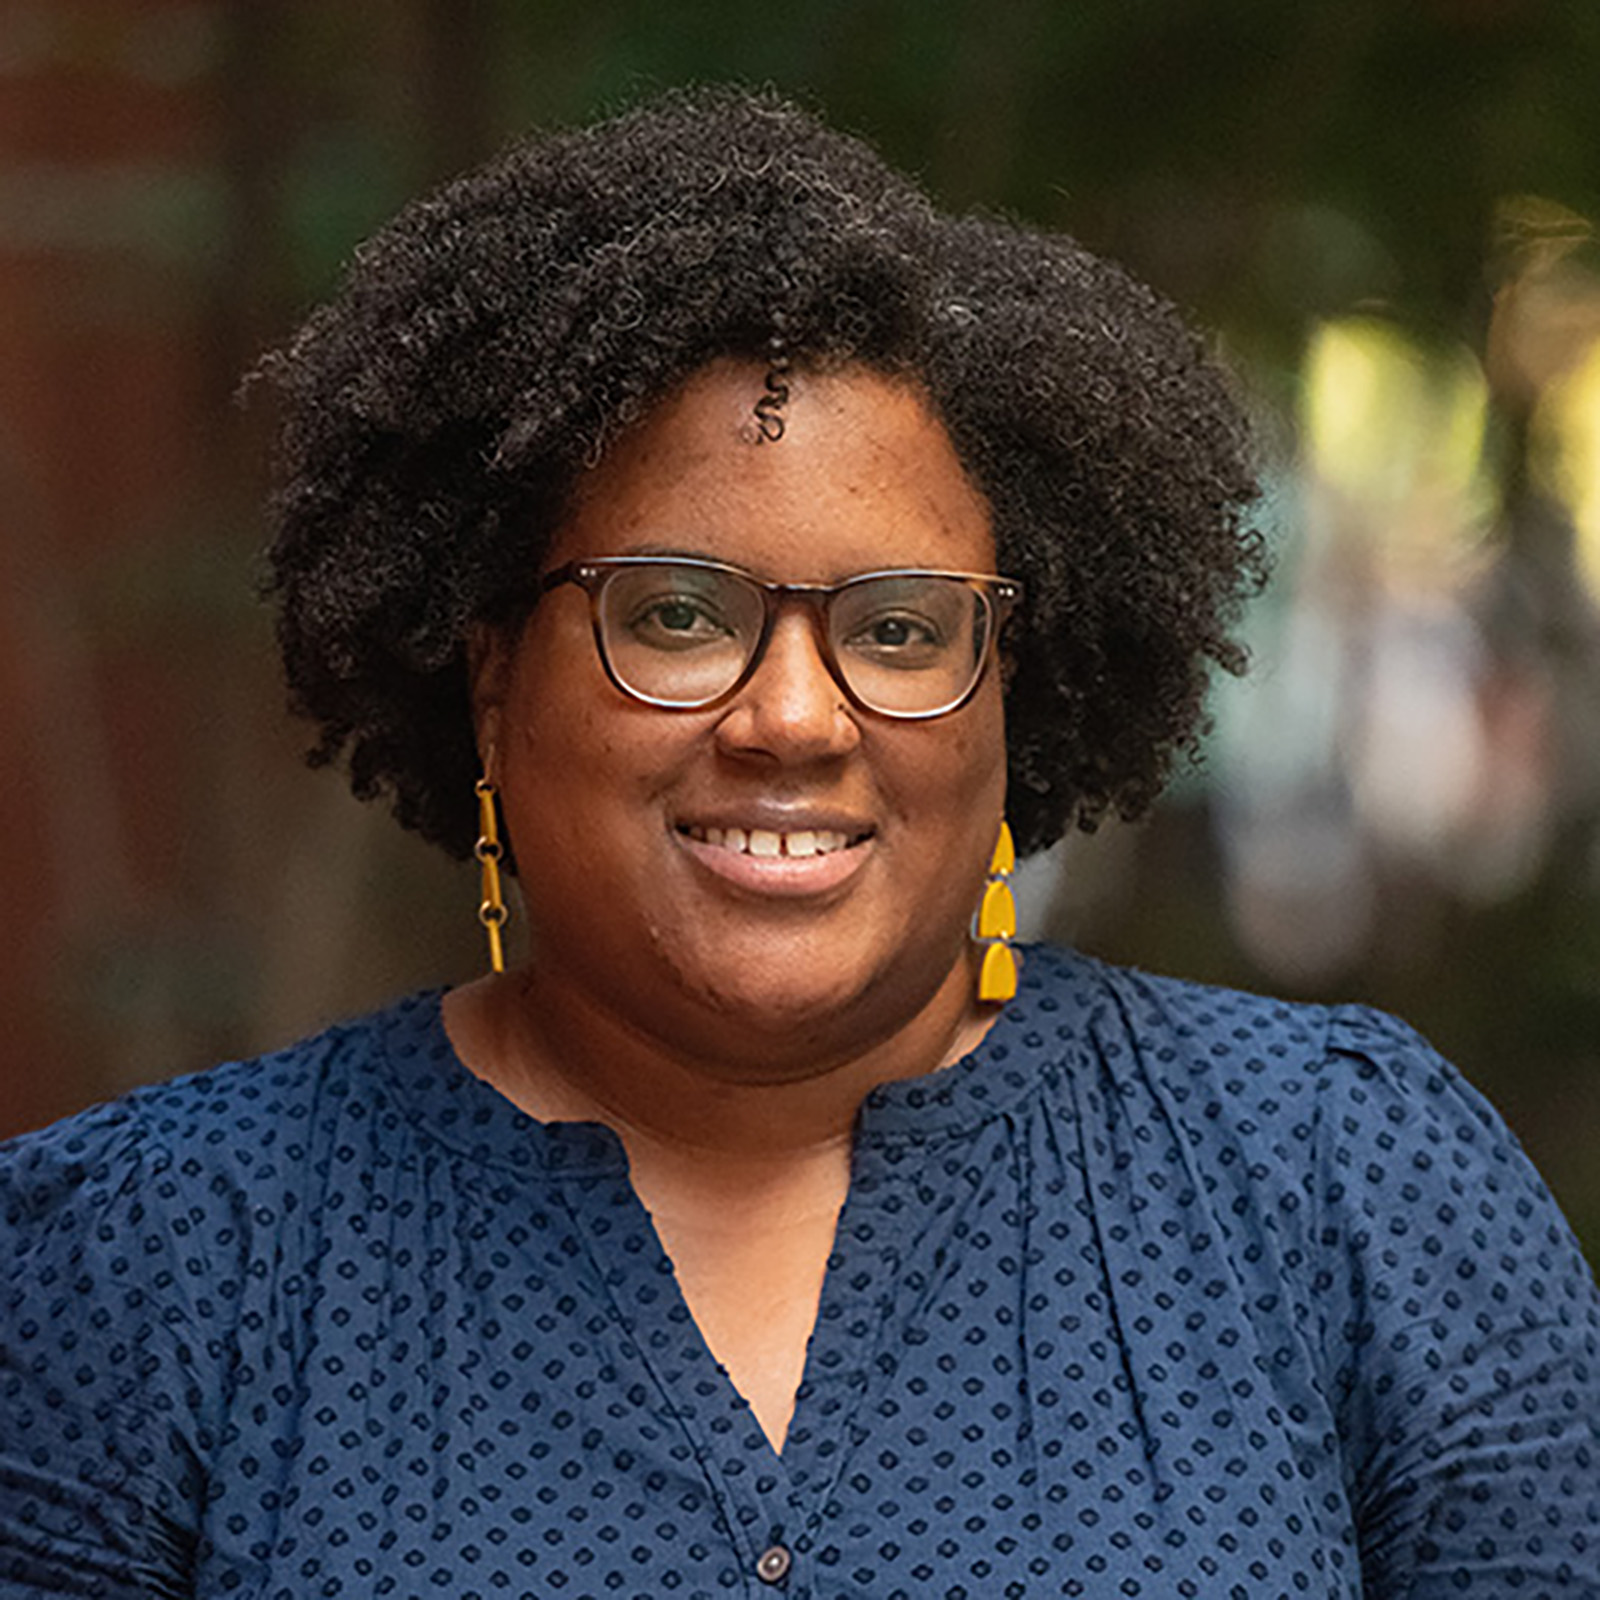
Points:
(767, 844)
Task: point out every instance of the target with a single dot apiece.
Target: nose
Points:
(791, 710)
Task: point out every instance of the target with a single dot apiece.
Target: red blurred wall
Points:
(108, 141)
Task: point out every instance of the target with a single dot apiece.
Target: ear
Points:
(489, 653)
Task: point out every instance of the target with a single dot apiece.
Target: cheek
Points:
(950, 798)
(584, 769)
(551, 715)
(974, 760)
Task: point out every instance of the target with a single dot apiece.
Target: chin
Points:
(771, 992)
(796, 997)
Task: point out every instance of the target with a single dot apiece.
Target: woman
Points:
(689, 518)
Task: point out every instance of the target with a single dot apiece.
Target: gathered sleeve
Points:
(1461, 1328)
(110, 1347)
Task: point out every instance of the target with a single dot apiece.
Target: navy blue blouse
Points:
(1163, 1292)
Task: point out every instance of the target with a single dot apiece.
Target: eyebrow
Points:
(671, 552)
(666, 552)
(675, 552)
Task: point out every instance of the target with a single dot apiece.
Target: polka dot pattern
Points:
(1165, 1292)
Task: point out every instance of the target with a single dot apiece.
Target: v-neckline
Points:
(588, 1159)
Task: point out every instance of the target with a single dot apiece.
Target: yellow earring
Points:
(492, 909)
(997, 924)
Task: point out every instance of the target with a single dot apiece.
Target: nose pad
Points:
(792, 705)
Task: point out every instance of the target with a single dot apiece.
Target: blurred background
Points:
(1386, 212)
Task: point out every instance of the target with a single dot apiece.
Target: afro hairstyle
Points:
(488, 344)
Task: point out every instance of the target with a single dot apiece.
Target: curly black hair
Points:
(488, 343)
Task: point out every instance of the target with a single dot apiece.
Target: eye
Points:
(899, 638)
(676, 616)
(897, 632)
(676, 622)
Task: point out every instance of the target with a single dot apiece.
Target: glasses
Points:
(684, 634)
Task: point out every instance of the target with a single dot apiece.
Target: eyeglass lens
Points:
(904, 644)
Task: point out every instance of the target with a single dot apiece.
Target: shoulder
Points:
(1248, 1060)
(141, 1265)
(1333, 1141)
(137, 1238)
(190, 1145)
(1185, 1028)
(1332, 1127)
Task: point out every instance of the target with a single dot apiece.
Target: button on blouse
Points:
(774, 1563)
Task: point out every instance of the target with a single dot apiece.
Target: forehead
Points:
(864, 476)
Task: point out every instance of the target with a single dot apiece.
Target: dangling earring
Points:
(997, 924)
(492, 910)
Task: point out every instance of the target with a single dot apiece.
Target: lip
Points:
(778, 875)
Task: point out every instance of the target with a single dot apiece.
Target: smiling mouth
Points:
(764, 843)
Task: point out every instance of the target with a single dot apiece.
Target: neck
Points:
(561, 1057)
